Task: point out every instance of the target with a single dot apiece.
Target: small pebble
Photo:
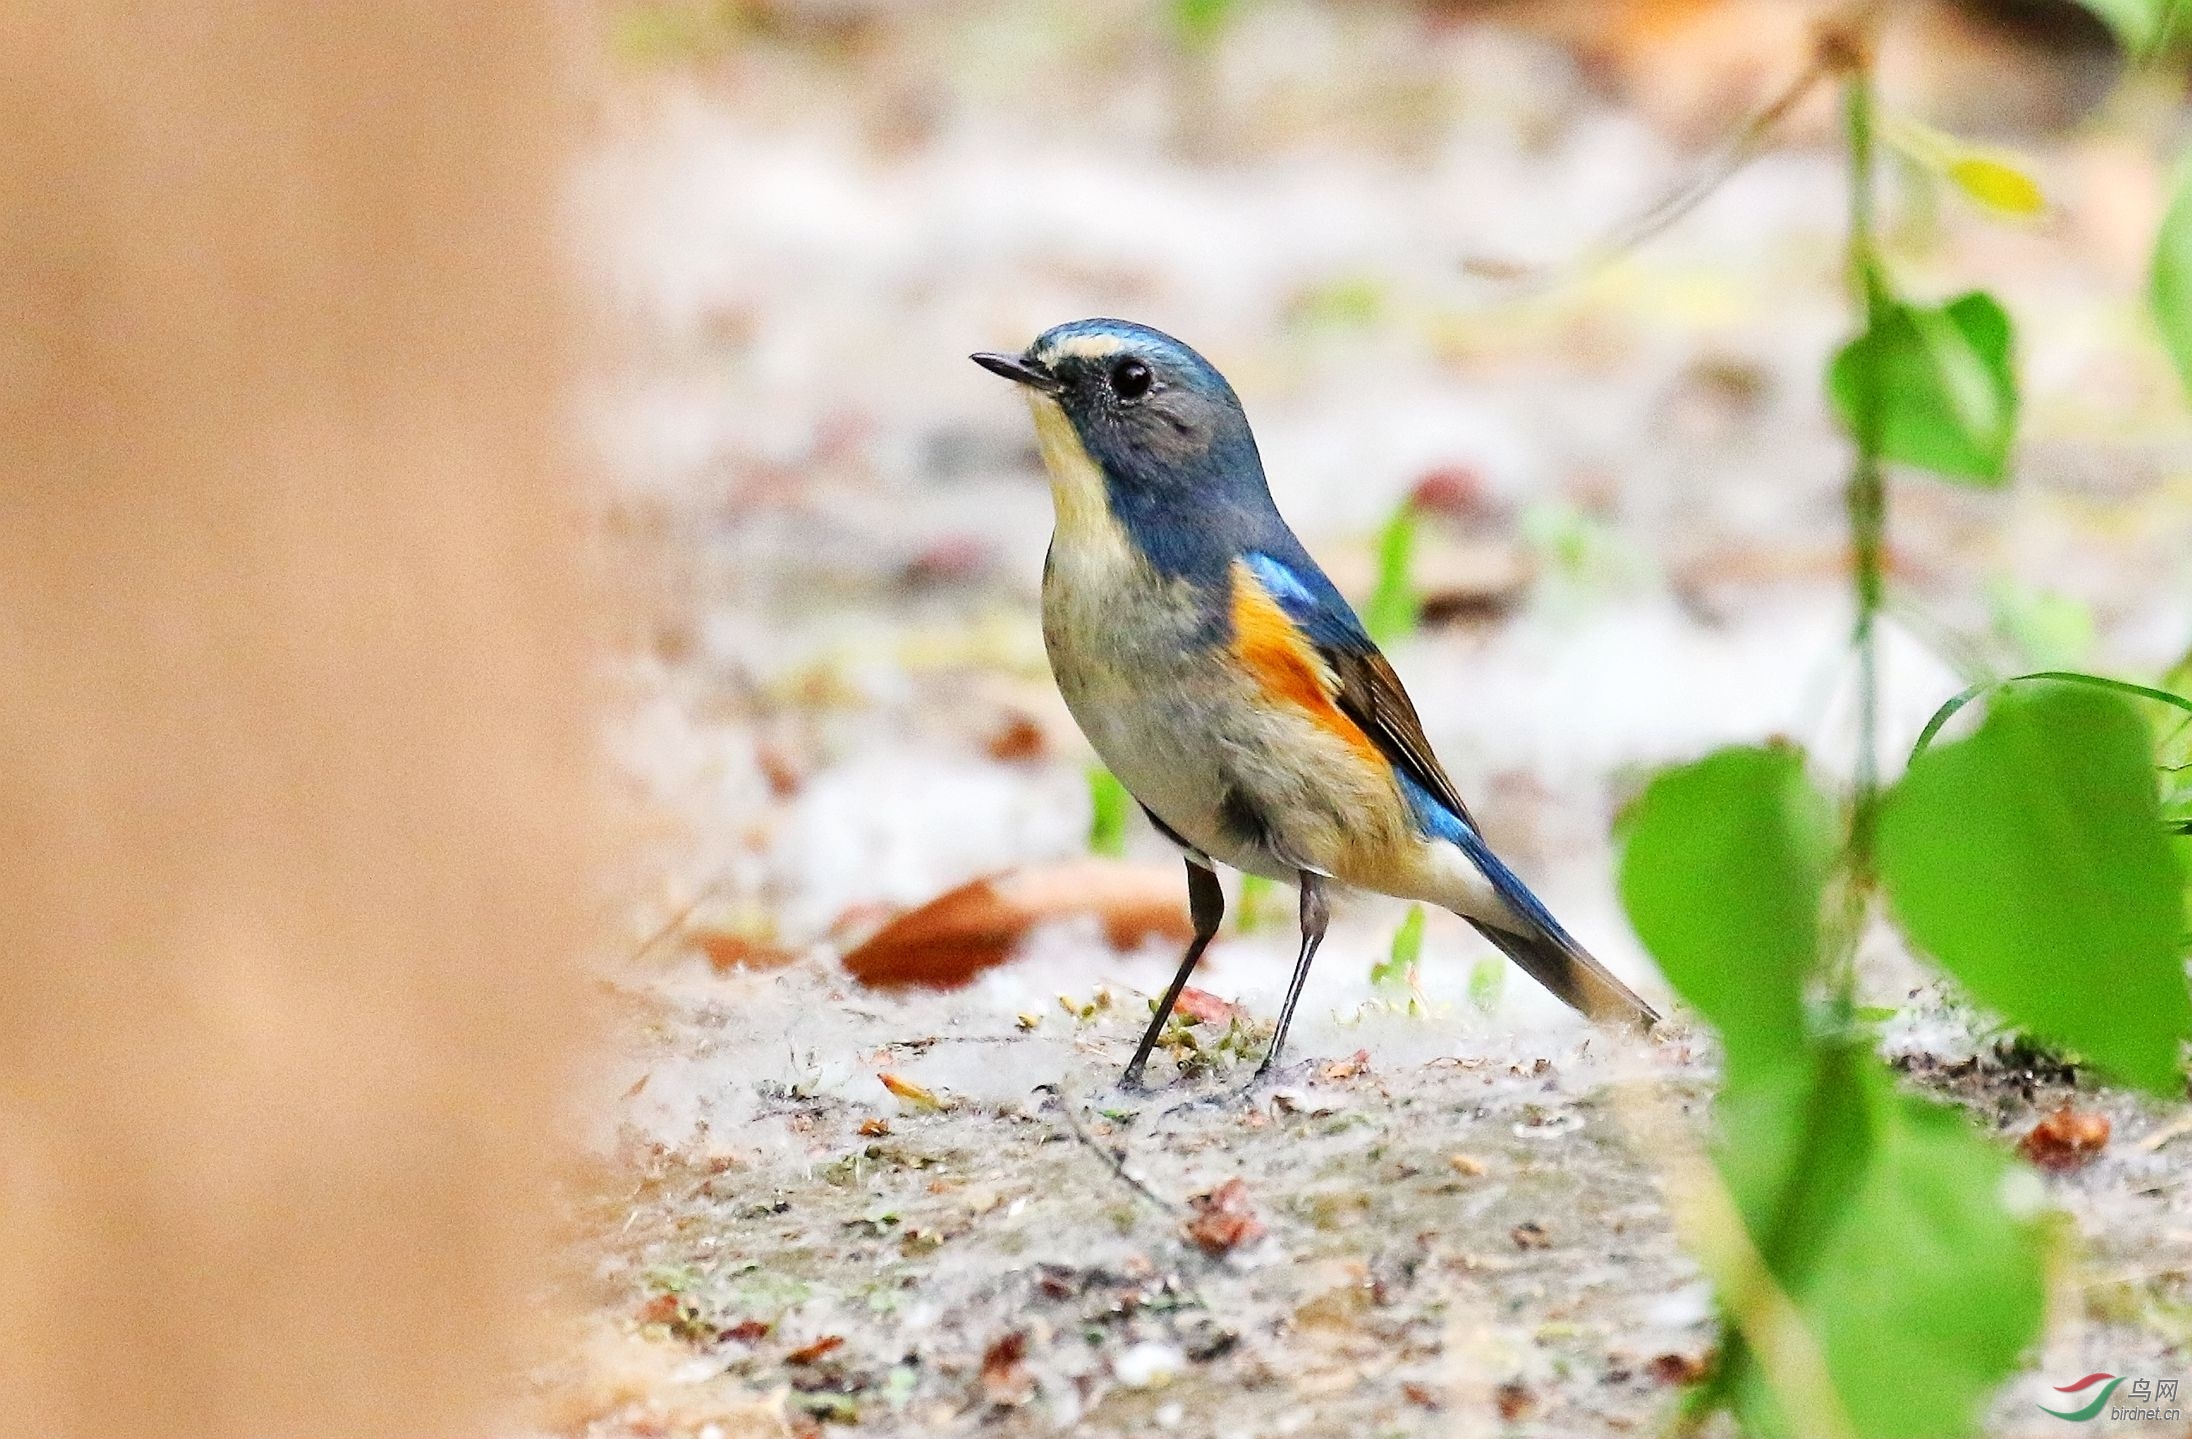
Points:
(1148, 1365)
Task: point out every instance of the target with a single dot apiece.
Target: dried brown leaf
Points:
(809, 1353)
(1515, 1399)
(1005, 1380)
(1223, 1219)
(1348, 1068)
(1200, 1006)
(1018, 740)
(728, 950)
(928, 1101)
(1681, 1369)
(2066, 1140)
(947, 942)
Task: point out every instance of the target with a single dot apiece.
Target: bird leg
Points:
(1314, 914)
(1206, 906)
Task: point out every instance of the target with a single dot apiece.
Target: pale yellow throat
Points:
(1076, 480)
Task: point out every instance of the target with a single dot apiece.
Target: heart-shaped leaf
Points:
(1721, 873)
(2031, 861)
(1921, 1283)
(1936, 386)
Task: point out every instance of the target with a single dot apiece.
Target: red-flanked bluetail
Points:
(1225, 681)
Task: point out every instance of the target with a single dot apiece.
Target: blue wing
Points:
(1370, 695)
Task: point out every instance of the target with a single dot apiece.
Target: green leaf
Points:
(1927, 1285)
(1108, 803)
(1948, 711)
(1345, 304)
(1395, 607)
(1487, 983)
(1934, 1285)
(2179, 677)
(1396, 969)
(1998, 185)
(1900, 1234)
(2170, 291)
(1249, 911)
(2047, 630)
(1198, 23)
(1795, 1143)
(2030, 861)
(2142, 26)
(1721, 874)
(1945, 396)
(1994, 179)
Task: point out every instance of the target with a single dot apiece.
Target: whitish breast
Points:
(1122, 643)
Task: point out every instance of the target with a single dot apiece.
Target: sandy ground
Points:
(805, 236)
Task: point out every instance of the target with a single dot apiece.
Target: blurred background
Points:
(1429, 243)
(1389, 225)
(555, 432)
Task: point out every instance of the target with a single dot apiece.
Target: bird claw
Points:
(1282, 1076)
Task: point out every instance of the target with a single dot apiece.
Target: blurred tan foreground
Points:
(292, 769)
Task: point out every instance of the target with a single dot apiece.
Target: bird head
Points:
(1158, 421)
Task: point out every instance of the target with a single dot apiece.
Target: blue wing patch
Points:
(1311, 601)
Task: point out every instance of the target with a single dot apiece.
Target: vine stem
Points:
(1865, 497)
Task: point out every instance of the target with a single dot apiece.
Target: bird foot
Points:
(1282, 1076)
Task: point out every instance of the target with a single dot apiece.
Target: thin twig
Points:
(1865, 496)
(2176, 1129)
(677, 921)
(1114, 1160)
(1746, 143)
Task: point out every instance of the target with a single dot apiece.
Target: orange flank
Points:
(1270, 647)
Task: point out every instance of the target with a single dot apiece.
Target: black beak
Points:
(1020, 371)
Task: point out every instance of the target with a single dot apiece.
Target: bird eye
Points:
(1130, 379)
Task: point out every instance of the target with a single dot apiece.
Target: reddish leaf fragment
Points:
(953, 938)
(781, 768)
(1683, 1369)
(1421, 1395)
(954, 559)
(1348, 1068)
(1200, 1006)
(662, 1309)
(727, 950)
(1457, 490)
(2066, 1140)
(745, 1331)
(1515, 1400)
(874, 1128)
(1005, 1380)
(1223, 1219)
(925, 1100)
(809, 1353)
(1020, 739)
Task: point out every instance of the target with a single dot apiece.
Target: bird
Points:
(1227, 684)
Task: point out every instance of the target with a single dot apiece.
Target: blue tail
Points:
(1548, 953)
(1535, 941)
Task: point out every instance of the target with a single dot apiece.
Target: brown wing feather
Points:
(1370, 694)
